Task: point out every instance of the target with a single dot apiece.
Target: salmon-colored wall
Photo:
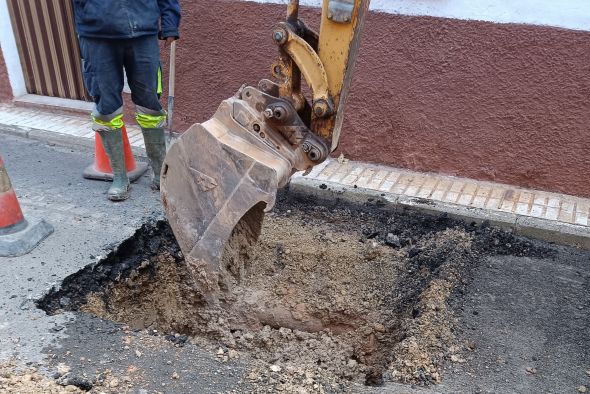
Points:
(223, 44)
(5, 89)
(507, 103)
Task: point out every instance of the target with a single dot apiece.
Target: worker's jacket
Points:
(127, 18)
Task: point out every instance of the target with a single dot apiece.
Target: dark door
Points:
(48, 47)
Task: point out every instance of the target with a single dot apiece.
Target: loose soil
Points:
(330, 295)
(29, 381)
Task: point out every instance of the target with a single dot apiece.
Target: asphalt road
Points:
(49, 185)
(528, 318)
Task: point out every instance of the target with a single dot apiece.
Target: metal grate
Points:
(48, 47)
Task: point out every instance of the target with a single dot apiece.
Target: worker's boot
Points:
(113, 145)
(155, 146)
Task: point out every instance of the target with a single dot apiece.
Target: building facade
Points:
(494, 90)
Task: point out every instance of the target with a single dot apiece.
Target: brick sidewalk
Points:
(551, 216)
(457, 191)
(52, 121)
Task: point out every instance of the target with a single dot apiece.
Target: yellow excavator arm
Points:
(228, 169)
(326, 61)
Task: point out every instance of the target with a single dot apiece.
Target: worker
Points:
(116, 35)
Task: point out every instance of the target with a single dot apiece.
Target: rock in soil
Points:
(29, 381)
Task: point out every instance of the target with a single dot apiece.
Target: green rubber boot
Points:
(113, 145)
(155, 147)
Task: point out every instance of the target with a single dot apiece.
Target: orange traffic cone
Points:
(101, 168)
(17, 235)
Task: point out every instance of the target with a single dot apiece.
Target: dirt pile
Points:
(30, 381)
(329, 296)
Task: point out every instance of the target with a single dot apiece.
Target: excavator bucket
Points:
(208, 186)
(220, 176)
(225, 170)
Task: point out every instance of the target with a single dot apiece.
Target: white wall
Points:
(570, 14)
(10, 53)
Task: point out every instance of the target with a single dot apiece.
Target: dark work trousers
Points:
(103, 61)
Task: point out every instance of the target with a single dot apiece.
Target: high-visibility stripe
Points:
(150, 121)
(115, 123)
(159, 88)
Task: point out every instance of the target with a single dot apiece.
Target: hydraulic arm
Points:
(227, 170)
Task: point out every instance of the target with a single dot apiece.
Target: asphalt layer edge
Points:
(558, 233)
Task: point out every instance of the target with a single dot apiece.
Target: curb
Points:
(546, 230)
(53, 138)
(550, 231)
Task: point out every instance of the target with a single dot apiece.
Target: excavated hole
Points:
(330, 293)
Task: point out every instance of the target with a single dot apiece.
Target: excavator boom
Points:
(220, 176)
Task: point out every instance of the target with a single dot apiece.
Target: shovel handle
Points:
(172, 70)
(171, 84)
